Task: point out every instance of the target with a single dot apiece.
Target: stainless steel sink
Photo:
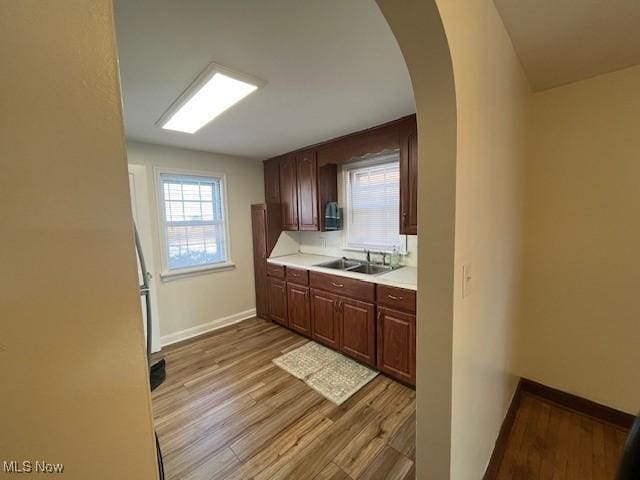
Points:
(356, 266)
(341, 264)
(370, 269)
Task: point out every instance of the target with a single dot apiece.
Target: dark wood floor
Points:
(549, 442)
(226, 412)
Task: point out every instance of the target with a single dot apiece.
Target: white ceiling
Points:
(563, 41)
(332, 67)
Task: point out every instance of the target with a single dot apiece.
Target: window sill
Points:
(168, 276)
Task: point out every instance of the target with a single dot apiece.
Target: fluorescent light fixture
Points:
(215, 90)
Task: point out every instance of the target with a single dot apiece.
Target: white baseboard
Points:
(206, 327)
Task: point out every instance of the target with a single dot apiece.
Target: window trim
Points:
(375, 159)
(167, 274)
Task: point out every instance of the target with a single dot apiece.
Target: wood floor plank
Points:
(364, 448)
(404, 441)
(226, 412)
(176, 436)
(284, 446)
(217, 466)
(549, 442)
(388, 465)
(548, 462)
(610, 447)
(320, 452)
(285, 414)
(188, 457)
(332, 472)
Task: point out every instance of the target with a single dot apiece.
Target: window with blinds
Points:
(373, 204)
(193, 221)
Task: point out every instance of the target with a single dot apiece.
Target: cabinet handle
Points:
(294, 274)
(379, 315)
(341, 306)
(393, 297)
(339, 285)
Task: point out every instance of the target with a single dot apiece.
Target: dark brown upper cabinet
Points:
(272, 181)
(307, 183)
(273, 210)
(409, 179)
(304, 190)
(304, 181)
(289, 192)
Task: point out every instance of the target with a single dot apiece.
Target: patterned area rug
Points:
(329, 373)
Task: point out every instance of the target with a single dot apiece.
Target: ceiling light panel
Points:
(214, 91)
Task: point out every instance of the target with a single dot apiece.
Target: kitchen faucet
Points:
(369, 252)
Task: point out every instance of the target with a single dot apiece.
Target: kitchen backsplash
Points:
(330, 244)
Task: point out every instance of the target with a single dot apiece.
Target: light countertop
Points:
(405, 277)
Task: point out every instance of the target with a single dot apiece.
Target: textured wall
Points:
(72, 360)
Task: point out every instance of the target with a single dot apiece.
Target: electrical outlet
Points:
(466, 280)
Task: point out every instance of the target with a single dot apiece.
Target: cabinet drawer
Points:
(343, 286)
(276, 271)
(399, 298)
(296, 275)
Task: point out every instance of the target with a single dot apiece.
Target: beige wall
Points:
(492, 100)
(581, 317)
(194, 304)
(72, 362)
(417, 26)
(492, 96)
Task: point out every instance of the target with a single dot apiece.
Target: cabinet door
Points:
(272, 180)
(325, 326)
(397, 344)
(409, 180)
(278, 301)
(298, 305)
(289, 193)
(259, 227)
(307, 176)
(357, 330)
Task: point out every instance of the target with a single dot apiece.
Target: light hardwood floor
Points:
(226, 412)
(548, 442)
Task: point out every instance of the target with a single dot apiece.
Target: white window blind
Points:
(193, 218)
(373, 205)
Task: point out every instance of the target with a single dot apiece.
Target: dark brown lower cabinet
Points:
(357, 332)
(278, 301)
(299, 308)
(325, 319)
(344, 324)
(397, 344)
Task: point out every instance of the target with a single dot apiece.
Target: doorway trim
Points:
(138, 185)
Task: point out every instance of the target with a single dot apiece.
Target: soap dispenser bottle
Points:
(395, 258)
